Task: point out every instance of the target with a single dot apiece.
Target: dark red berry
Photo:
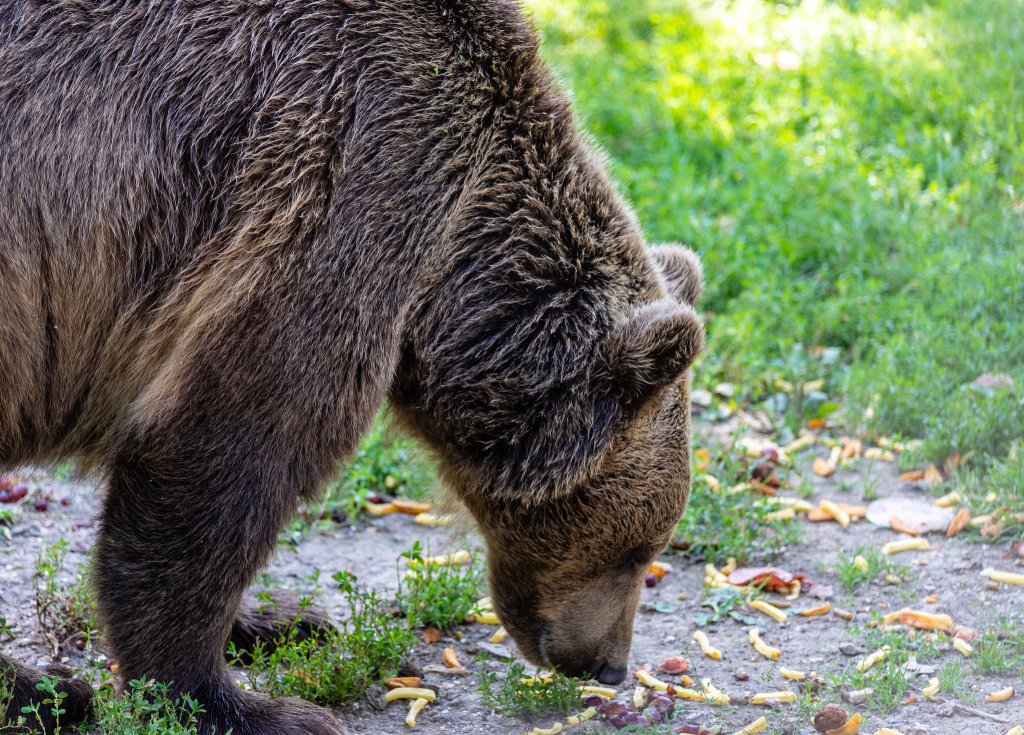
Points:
(41, 505)
(770, 454)
(65, 502)
(18, 492)
(652, 580)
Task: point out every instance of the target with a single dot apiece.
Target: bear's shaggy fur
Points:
(230, 229)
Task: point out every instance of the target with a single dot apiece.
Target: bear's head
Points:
(567, 563)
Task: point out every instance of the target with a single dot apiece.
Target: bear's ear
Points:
(681, 269)
(652, 348)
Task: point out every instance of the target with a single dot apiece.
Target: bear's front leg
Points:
(192, 513)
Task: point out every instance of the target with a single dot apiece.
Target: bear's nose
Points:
(611, 675)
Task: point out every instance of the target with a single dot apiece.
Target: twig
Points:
(965, 708)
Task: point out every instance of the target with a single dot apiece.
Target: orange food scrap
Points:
(920, 620)
(410, 507)
(822, 468)
(659, 569)
(703, 459)
(900, 527)
(449, 659)
(431, 635)
(852, 449)
(397, 682)
(932, 475)
(959, 522)
(851, 727)
(912, 476)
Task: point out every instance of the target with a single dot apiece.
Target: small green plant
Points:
(340, 666)
(65, 610)
(888, 679)
(719, 524)
(865, 564)
(386, 463)
(145, 708)
(1000, 649)
(951, 680)
(441, 595)
(518, 694)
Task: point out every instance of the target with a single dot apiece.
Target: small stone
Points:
(741, 676)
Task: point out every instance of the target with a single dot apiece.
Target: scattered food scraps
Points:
(410, 693)
(910, 544)
(1001, 696)
(1004, 577)
(674, 666)
(705, 645)
(932, 689)
(780, 696)
(831, 717)
(771, 579)
(415, 707)
(851, 727)
(754, 636)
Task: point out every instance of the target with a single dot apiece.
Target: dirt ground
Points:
(822, 644)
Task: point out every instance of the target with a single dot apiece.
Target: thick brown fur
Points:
(230, 230)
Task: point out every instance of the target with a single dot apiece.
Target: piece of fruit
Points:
(435, 520)
(674, 666)
(410, 507)
(792, 674)
(901, 527)
(1004, 577)
(908, 544)
(860, 564)
(1001, 696)
(945, 501)
(649, 680)
(659, 569)
(851, 727)
(770, 610)
(959, 522)
(754, 636)
(841, 516)
(592, 691)
(398, 682)
(553, 730)
(415, 707)
(410, 693)
(587, 714)
(714, 695)
(379, 509)
(921, 620)
(758, 725)
(822, 467)
(822, 609)
(705, 645)
(780, 696)
(449, 659)
(487, 618)
(963, 647)
(932, 689)
(650, 580)
(870, 660)
(499, 635)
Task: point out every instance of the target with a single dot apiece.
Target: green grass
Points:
(145, 708)
(65, 608)
(719, 524)
(386, 463)
(438, 595)
(366, 647)
(866, 197)
(509, 693)
(888, 679)
(876, 564)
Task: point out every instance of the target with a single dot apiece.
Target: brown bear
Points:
(229, 230)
